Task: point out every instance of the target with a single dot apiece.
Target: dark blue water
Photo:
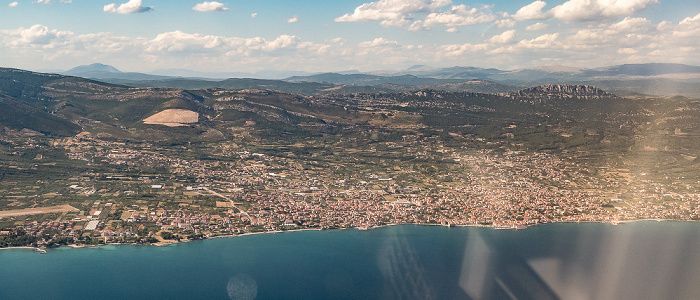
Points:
(641, 260)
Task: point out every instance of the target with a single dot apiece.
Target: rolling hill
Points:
(562, 118)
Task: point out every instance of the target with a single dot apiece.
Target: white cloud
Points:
(281, 42)
(47, 2)
(503, 38)
(178, 41)
(36, 36)
(505, 23)
(422, 14)
(293, 19)
(460, 50)
(532, 11)
(380, 41)
(13, 4)
(688, 28)
(630, 33)
(541, 42)
(339, 40)
(131, 7)
(253, 15)
(596, 10)
(208, 6)
(392, 12)
(537, 27)
(583, 10)
(591, 37)
(628, 40)
(632, 25)
(627, 51)
(188, 43)
(458, 15)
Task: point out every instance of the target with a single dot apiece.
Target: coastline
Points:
(174, 242)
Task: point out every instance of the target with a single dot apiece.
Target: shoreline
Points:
(361, 228)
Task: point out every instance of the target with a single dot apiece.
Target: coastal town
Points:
(145, 193)
(116, 164)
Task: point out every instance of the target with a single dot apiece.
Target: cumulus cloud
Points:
(629, 34)
(422, 14)
(281, 42)
(36, 36)
(541, 42)
(503, 38)
(632, 25)
(532, 11)
(595, 10)
(537, 27)
(188, 43)
(689, 27)
(131, 7)
(208, 6)
(13, 4)
(35, 46)
(461, 50)
(293, 19)
(339, 40)
(392, 12)
(505, 23)
(47, 2)
(629, 40)
(178, 41)
(627, 51)
(583, 10)
(380, 41)
(458, 15)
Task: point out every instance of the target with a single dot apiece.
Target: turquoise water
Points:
(649, 260)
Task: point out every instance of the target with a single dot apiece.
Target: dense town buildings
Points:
(142, 193)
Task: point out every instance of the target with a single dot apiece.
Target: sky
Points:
(340, 35)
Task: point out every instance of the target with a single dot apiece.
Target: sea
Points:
(636, 260)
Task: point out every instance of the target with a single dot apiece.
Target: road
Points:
(233, 204)
(37, 210)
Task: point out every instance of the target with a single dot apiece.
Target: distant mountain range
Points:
(652, 78)
(109, 73)
(102, 71)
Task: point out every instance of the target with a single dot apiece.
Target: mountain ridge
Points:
(66, 103)
(650, 78)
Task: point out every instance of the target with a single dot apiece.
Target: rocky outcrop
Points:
(561, 91)
(558, 92)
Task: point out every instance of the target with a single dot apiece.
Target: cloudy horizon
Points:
(316, 36)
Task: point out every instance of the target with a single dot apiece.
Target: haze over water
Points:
(649, 260)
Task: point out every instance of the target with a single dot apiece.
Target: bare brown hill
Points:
(173, 118)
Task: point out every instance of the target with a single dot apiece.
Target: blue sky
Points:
(316, 36)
